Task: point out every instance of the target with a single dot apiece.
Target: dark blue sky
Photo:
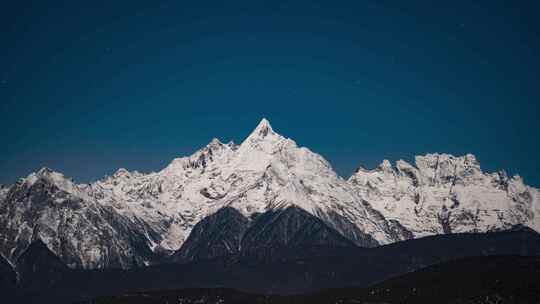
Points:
(87, 88)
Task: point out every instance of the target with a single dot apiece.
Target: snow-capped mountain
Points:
(131, 217)
(49, 207)
(266, 171)
(447, 194)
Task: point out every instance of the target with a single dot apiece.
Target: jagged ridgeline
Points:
(275, 194)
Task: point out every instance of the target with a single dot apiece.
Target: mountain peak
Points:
(215, 142)
(262, 138)
(263, 129)
(122, 172)
(215, 145)
(385, 166)
(51, 177)
(264, 123)
(44, 171)
(45, 174)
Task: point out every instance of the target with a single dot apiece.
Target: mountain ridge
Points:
(145, 216)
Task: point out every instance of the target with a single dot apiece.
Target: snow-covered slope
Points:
(266, 171)
(443, 194)
(131, 217)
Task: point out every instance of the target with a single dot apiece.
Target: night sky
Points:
(88, 88)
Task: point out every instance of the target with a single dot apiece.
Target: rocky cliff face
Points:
(134, 218)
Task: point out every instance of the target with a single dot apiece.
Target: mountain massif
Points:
(263, 194)
(291, 270)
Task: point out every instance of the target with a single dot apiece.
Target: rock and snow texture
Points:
(131, 217)
(446, 194)
(49, 207)
(265, 172)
